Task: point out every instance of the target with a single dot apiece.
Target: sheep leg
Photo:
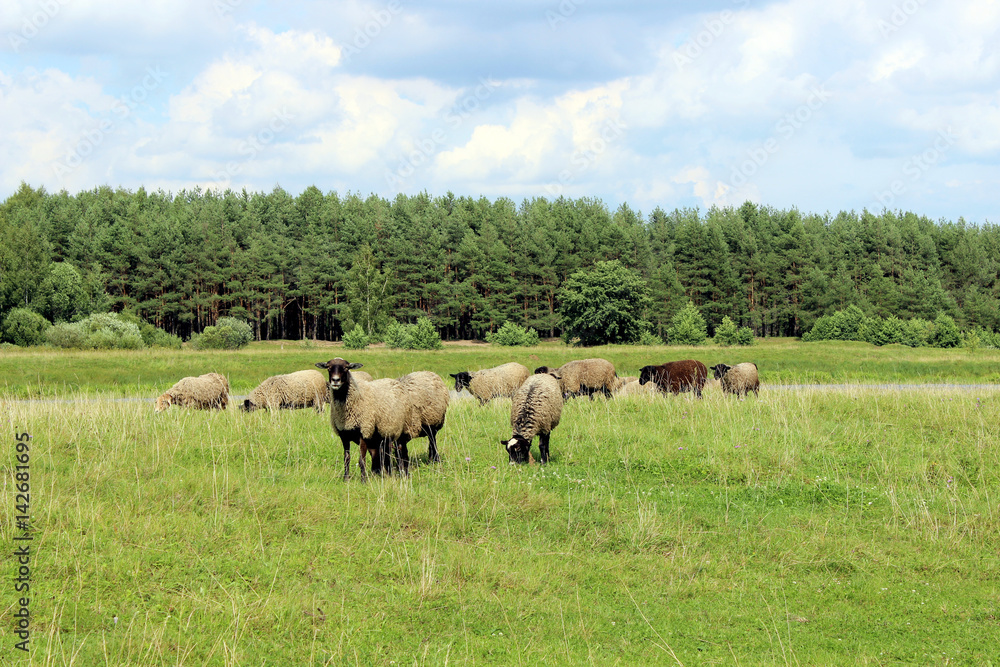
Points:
(432, 447)
(363, 446)
(543, 447)
(404, 459)
(347, 459)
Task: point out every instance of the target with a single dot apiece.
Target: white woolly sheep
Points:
(499, 382)
(426, 399)
(740, 379)
(631, 387)
(301, 389)
(535, 410)
(210, 390)
(584, 377)
(372, 414)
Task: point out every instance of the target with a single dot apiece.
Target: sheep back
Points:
(499, 382)
(676, 376)
(426, 399)
(203, 392)
(370, 407)
(300, 389)
(739, 379)
(587, 376)
(537, 406)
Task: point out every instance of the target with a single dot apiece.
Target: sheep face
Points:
(340, 372)
(247, 406)
(542, 369)
(646, 374)
(462, 380)
(517, 449)
(164, 402)
(719, 371)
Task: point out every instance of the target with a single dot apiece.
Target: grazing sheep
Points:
(584, 377)
(427, 403)
(536, 409)
(633, 388)
(301, 389)
(740, 379)
(499, 382)
(372, 414)
(676, 376)
(210, 390)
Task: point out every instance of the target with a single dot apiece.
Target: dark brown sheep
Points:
(676, 376)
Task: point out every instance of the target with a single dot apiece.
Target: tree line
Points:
(316, 264)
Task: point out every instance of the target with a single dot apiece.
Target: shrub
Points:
(725, 333)
(100, 331)
(946, 333)
(356, 338)
(917, 332)
(687, 327)
(744, 336)
(152, 336)
(511, 334)
(650, 338)
(25, 327)
(228, 333)
(424, 336)
(397, 336)
(603, 304)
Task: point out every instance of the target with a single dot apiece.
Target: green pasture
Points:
(845, 526)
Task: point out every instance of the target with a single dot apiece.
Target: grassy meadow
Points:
(856, 525)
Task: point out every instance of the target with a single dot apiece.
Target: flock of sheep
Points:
(384, 415)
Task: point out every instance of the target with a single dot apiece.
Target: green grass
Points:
(37, 372)
(854, 526)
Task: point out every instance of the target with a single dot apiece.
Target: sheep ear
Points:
(324, 365)
(454, 375)
(354, 365)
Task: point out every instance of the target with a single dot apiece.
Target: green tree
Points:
(24, 327)
(62, 297)
(687, 327)
(604, 304)
(369, 292)
(725, 333)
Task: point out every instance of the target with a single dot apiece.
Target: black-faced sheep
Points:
(499, 382)
(210, 390)
(584, 377)
(426, 399)
(301, 389)
(676, 376)
(372, 414)
(535, 410)
(739, 379)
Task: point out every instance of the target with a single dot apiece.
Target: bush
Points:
(687, 327)
(152, 336)
(228, 333)
(25, 327)
(424, 336)
(100, 331)
(397, 336)
(603, 304)
(511, 334)
(744, 336)
(946, 333)
(356, 338)
(650, 338)
(725, 333)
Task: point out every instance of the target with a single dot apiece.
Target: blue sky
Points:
(819, 105)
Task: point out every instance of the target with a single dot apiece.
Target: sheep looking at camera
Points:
(204, 392)
(301, 389)
(373, 414)
(499, 382)
(535, 410)
(740, 379)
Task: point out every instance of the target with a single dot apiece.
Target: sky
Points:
(820, 105)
